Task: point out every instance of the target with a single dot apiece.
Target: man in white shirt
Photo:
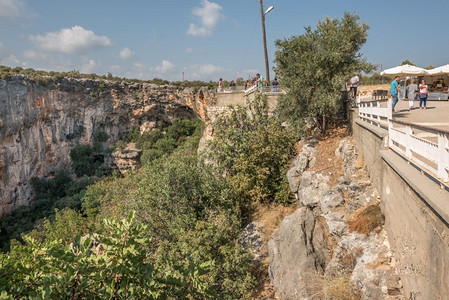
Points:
(353, 83)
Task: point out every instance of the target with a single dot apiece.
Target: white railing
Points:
(264, 89)
(376, 112)
(251, 89)
(427, 148)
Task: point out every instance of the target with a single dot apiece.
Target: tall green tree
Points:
(314, 66)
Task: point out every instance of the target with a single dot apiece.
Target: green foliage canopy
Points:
(114, 265)
(314, 66)
(253, 149)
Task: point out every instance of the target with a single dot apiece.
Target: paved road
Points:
(436, 115)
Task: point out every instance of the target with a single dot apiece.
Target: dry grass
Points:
(335, 288)
(271, 216)
(366, 219)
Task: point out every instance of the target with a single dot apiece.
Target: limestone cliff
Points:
(334, 246)
(40, 124)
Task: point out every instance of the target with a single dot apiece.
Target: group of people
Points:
(257, 80)
(413, 92)
(260, 82)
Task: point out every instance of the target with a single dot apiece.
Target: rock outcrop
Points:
(40, 124)
(128, 158)
(320, 251)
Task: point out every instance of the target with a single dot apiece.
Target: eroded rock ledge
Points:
(321, 251)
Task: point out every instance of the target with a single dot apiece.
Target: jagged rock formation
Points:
(39, 124)
(316, 253)
(128, 158)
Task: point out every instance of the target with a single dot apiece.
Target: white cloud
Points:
(89, 66)
(48, 61)
(126, 53)
(3, 50)
(8, 59)
(11, 9)
(165, 67)
(204, 72)
(115, 68)
(75, 40)
(208, 69)
(209, 13)
(189, 50)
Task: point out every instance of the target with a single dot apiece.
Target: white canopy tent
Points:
(405, 70)
(438, 78)
(443, 70)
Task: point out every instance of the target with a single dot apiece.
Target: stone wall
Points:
(40, 124)
(416, 211)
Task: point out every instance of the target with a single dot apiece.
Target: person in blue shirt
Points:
(394, 90)
(275, 84)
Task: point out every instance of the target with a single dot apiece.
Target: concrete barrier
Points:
(416, 212)
(236, 98)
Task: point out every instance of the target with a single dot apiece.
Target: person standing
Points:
(260, 80)
(353, 84)
(394, 90)
(275, 84)
(423, 94)
(232, 86)
(220, 85)
(411, 92)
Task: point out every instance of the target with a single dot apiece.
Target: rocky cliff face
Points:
(334, 246)
(40, 124)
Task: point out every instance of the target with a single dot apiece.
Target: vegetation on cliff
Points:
(188, 217)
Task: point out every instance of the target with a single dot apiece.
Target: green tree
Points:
(407, 62)
(314, 66)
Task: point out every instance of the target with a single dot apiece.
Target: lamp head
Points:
(269, 9)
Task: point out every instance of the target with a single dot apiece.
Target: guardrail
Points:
(264, 89)
(376, 112)
(425, 147)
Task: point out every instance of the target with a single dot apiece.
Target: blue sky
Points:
(205, 39)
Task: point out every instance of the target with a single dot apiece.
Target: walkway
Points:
(435, 116)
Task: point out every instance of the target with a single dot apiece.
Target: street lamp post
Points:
(262, 15)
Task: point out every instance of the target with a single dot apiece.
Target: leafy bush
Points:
(188, 209)
(59, 192)
(157, 142)
(88, 160)
(100, 136)
(253, 149)
(115, 265)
